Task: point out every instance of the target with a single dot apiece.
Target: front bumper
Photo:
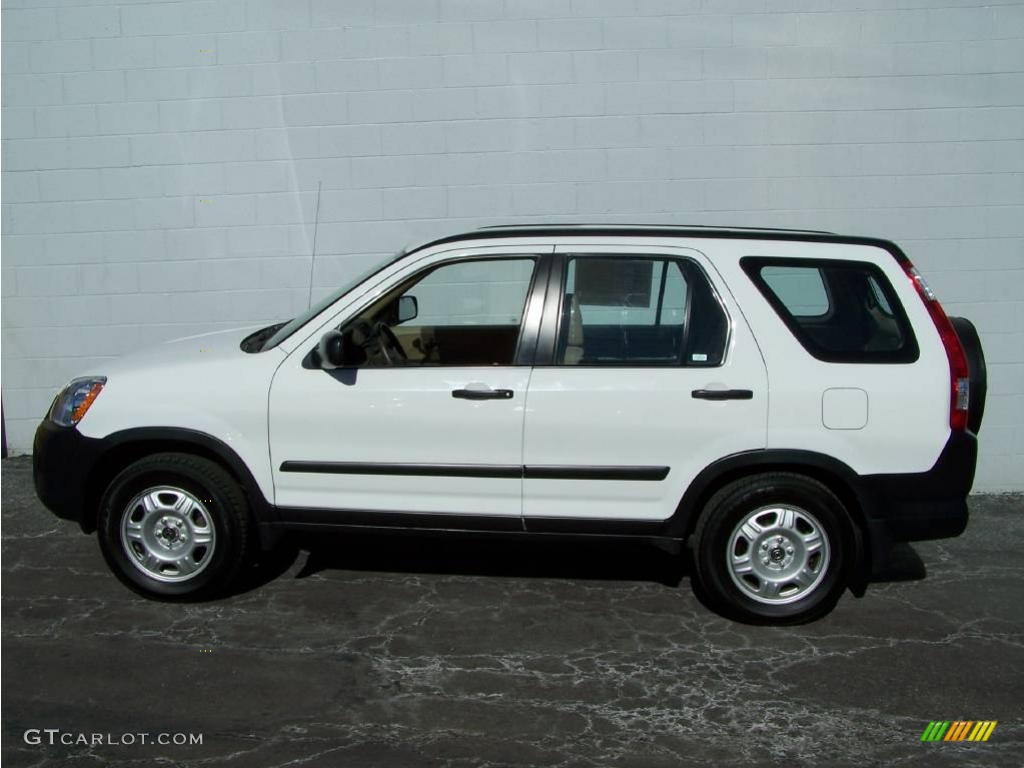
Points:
(63, 460)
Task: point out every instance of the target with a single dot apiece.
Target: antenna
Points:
(312, 260)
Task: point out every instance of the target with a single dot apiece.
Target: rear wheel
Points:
(773, 548)
(175, 526)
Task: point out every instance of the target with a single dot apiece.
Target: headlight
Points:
(75, 399)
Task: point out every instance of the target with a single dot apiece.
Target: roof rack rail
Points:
(654, 230)
(635, 227)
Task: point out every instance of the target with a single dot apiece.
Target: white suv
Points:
(788, 403)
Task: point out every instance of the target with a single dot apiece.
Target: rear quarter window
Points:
(800, 289)
(840, 311)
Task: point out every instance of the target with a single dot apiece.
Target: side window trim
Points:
(548, 340)
(533, 312)
(695, 268)
(661, 293)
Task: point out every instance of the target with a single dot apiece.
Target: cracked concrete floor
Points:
(425, 652)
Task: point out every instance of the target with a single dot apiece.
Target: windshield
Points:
(298, 321)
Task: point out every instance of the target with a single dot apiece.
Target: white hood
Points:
(218, 346)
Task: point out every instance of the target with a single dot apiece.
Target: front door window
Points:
(464, 313)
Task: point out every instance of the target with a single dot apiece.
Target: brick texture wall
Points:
(160, 160)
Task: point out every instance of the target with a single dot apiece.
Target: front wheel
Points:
(773, 548)
(174, 526)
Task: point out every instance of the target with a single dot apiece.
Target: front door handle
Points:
(722, 394)
(481, 393)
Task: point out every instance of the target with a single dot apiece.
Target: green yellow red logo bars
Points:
(958, 730)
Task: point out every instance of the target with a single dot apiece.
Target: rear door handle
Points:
(482, 394)
(723, 394)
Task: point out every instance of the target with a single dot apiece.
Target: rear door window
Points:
(840, 311)
(639, 311)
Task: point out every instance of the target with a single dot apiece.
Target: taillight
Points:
(959, 373)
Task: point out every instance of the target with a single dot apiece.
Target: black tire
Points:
(712, 547)
(224, 503)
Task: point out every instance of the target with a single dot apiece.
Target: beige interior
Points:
(417, 341)
(574, 338)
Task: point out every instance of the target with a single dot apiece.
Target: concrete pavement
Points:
(411, 651)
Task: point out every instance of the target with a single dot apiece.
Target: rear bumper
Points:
(926, 505)
(62, 461)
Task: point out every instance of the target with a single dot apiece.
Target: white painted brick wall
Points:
(899, 118)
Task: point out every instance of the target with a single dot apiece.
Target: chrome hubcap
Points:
(168, 534)
(778, 554)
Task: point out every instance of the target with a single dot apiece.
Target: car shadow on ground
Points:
(903, 564)
(506, 557)
(592, 559)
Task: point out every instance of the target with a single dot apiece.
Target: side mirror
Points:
(331, 350)
(408, 308)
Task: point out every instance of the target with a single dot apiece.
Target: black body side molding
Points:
(545, 472)
(568, 472)
(408, 470)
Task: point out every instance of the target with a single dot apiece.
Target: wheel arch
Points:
(127, 446)
(835, 475)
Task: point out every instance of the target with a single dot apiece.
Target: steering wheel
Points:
(390, 346)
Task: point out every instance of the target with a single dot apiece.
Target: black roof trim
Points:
(710, 233)
(584, 225)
